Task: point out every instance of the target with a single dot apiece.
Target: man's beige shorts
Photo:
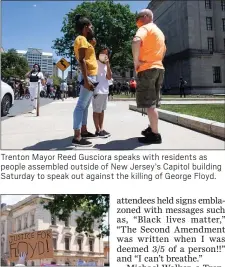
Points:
(149, 84)
(99, 103)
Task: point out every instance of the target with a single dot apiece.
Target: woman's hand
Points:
(88, 85)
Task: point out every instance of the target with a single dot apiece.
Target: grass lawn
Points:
(215, 112)
(192, 96)
(175, 96)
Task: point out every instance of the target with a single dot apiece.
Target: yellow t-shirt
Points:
(90, 58)
(152, 47)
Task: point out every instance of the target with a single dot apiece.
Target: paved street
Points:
(52, 130)
(22, 106)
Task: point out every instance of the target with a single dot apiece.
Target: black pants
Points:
(48, 90)
(182, 92)
(58, 94)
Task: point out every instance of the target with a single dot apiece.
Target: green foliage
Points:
(56, 80)
(93, 207)
(13, 65)
(114, 26)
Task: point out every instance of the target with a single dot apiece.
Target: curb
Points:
(173, 99)
(212, 128)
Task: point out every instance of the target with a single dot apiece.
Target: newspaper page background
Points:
(163, 211)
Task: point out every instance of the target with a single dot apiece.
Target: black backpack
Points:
(34, 79)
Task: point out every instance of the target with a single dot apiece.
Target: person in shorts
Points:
(100, 96)
(148, 48)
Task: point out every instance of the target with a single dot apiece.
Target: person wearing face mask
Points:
(36, 78)
(100, 96)
(148, 48)
(85, 55)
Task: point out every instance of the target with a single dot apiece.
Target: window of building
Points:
(217, 75)
(223, 20)
(32, 263)
(32, 219)
(53, 220)
(208, 4)
(131, 73)
(19, 225)
(79, 242)
(25, 263)
(3, 227)
(25, 222)
(223, 5)
(209, 25)
(54, 243)
(91, 243)
(67, 243)
(210, 44)
(224, 43)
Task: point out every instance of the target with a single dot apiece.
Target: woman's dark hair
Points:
(81, 22)
(101, 49)
(39, 68)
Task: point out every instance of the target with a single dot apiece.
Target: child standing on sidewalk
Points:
(100, 96)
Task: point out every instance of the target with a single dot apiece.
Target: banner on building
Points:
(37, 245)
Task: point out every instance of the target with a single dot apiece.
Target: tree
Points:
(56, 80)
(114, 26)
(93, 207)
(13, 65)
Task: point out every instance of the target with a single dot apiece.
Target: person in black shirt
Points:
(182, 86)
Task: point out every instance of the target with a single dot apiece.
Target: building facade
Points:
(106, 253)
(55, 70)
(44, 59)
(69, 246)
(195, 39)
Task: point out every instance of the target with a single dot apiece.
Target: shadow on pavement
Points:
(58, 144)
(65, 144)
(128, 144)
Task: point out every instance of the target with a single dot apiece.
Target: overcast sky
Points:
(12, 199)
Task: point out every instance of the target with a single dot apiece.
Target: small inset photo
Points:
(55, 230)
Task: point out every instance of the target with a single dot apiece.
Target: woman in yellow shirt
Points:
(85, 55)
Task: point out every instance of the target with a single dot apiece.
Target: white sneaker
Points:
(33, 111)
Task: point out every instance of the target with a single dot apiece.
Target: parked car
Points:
(7, 98)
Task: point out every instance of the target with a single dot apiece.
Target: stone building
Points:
(69, 246)
(195, 38)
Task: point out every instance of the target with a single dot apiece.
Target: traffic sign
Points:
(62, 64)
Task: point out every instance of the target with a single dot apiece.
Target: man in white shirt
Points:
(64, 89)
(100, 96)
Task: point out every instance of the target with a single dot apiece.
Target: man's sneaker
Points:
(102, 134)
(81, 143)
(87, 135)
(105, 134)
(147, 131)
(152, 138)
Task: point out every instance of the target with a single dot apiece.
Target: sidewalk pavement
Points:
(52, 130)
